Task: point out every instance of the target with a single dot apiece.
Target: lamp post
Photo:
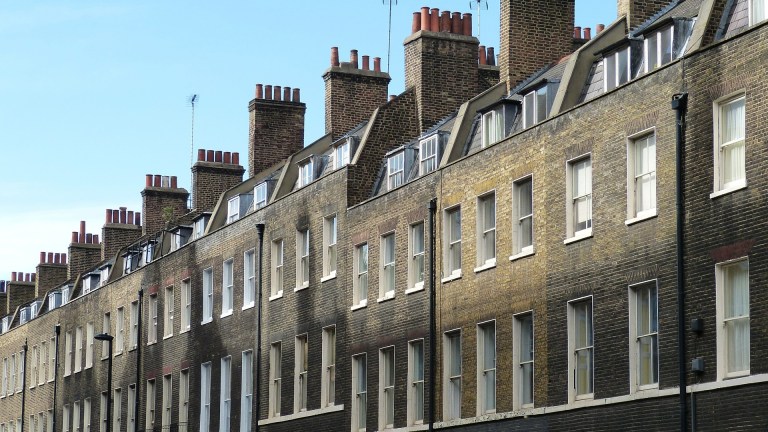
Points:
(108, 338)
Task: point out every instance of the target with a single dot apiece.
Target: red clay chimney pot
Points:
(259, 91)
(33, 277)
(174, 182)
(434, 20)
(217, 156)
(149, 180)
(123, 215)
(425, 20)
(366, 62)
(228, 158)
(416, 24)
(278, 93)
(577, 32)
(108, 218)
(286, 94)
(82, 231)
(587, 33)
(89, 238)
(599, 28)
(466, 22)
(56, 258)
(115, 216)
(42, 257)
(296, 95)
(334, 56)
(95, 239)
(64, 258)
(491, 57)
(267, 93)
(456, 23)
(209, 156)
(445, 21)
(74, 237)
(201, 153)
(481, 54)
(353, 58)
(158, 180)
(129, 217)
(377, 64)
(137, 218)
(235, 158)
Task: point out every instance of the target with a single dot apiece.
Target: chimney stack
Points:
(276, 128)
(51, 272)
(19, 290)
(211, 177)
(162, 202)
(637, 12)
(121, 228)
(534, 34)
(84, 252)
(441, 64)
(352, 94)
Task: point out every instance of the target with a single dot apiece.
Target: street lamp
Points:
(108, 338)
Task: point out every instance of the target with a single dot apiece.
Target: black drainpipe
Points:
(57, 330)
(432, 317)
(138, 363)
(24, 386)
(680, 104)
(260, 232)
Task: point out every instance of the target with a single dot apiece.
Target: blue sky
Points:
(93, 94)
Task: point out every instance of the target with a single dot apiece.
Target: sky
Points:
(95, 94)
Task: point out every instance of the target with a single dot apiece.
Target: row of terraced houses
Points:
(566, 236)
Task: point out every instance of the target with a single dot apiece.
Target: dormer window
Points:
(260, 194)
(54, 300)
(147, 253)
(91, 282)
(65, 295)
(658, 48)
(535, 106)
(493, 125)
(306, 172)
(341, 155)
(198, 230)
(104, 275)
(617, 69)
(24, 315)
(34, 309)
(233, 209)
(758, 11)
(127, 263)
(395, 170)
(428, 154)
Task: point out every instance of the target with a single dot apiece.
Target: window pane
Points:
(651, 52)
(528, 107)
(736, 290)
(541, 104)
(622, 66)
(665, 42)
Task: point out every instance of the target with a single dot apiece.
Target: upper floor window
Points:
(486, 230)
(360, 392)
(227, 288)
(328, 380)
(387, 282)
(233, 209)
(395, 170)
(428, 154)
(306, 172)
(732, 280)
(415, 397)
(329, 246)
(493, 127)
(207, 295)
(535, 106)
(277, 268)
(249, 278)
(168, 303)
(730, 160)
(522, 216)
(275, 379)
(616, 69)
(260, 195)
(579, 190)
(341, 155)
(522, 359)
(644, 330)
(452, 375)
(386, 388)
(581, 349)
(302, 259)
(416, 256)
(199, 227)
(452, 243)
(486, 368)
(758, 11)
(641, 165)
(301, 366)
(360, 281)
(658, 48)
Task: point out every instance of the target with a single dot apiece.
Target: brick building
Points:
(570, 240)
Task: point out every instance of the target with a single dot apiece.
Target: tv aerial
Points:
(389, 31)
(479, 5)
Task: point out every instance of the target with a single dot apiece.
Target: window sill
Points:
(359, 306)
(186, 330)
(302, 414)
(523, 254)
(487, 266)
(646, 388)
(331, 276)
(453, 276)
(301, 288)
(389, 296)
(226, 314)
(249, 305)
(732, 375)
(415, 289)
(641, 218)
(206, 321)
(726, 191)
(279, 295)
(581, 235)
(167, 336)
(117, 354)
(149, 343)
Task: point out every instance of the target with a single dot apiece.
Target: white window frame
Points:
(302, 258)
(152, 319)
(753, 17)
(275, 379)
(78, 349)
(227, 287)
(246, 391)
(723, 363)
(207, 295)
(133, 325)
(151, 402)
(520, 360)
(572, 233)
(720, 185)
(328, 380)
(66, 418)
(395, 170)
(452, 245)
(300, 373)
(120, 331)
(415, 395)
(225, 395)
(186, 305)
(573, 363)
(278, 268)
(428, 151)
(167, 402)
(169, 308)
(249, 279)
(646, 138)
(654, 43)
(43, 358)
(452, 375)
(387, 270)
(519, 220)
(636, 379)
(330, 250)
(12, 374)
(52, 359)
(20, 370)
(531, 101)
(341, 155)
(416, 256)
(33, 369)
(89, 333)
(260, 195)
(493, 127)
(233, 209)
(359, 392)
(612, 69)
(102, 413)
(117, 409)
(306, 173)
(205, 397)
(485, 232)
(75, 416)
(486, 372)
(387, 387)
(360, 280)
(131, 411)
(184, 398)
(106, 327)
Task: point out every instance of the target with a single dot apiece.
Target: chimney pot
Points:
(209, 156)
(74, 237)
(377, 64)
(27, 277)
(296, 95)
(95, 239)
(115, 216)
(123, 215)
(137, 218)
(228, 158)
(42, 257)
(286, 94)
(466, 23)
(217, 156)
(32, 277)
(599, 28)
(82, 231)
(434, 20)
(445, 21)
(235, 158)
(353, 58)
(166, 181)
(158, 181)
(149, 180)
(63, 258)
(13, 276)
(89, 238)
(416, 24)
(129, 218)
(425, 20)
(259, 91)
(108, 218)
(577, 32)
(56, 258)
(174, 182)
(491, 57)
(267, 92)
(334, 56)
(456, 23)
(201, 152)
(482, 55)
(278, 93)
(587, 33)
(366, 62)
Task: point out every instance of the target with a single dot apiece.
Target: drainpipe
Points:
(24, 387)
(138, 363)
(260, 232)
(432, 317)
(57, 331)
(680, 104)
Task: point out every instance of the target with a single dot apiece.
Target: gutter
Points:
(680, 105)
(432, 318)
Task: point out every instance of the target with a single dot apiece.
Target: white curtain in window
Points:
(758, 11)
(489, 366)
(737, 316)
(732, 136)
(526, 360)
(645, 174)
(582, 194)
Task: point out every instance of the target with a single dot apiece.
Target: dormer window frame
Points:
(492, 124)
(426, 158)
(612, 66)
(259, 192)
(104, 275)
(306, 171)
(198, 226)
(753, 19)
(233, 203)
(532, 101)
(395, 172)
(657, 38)
(341, 152)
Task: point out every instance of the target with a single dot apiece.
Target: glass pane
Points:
(541, 104)
(651, 52)
(622, 66)
(489, 212)
(418, 238)
(736, 290)
(758, 11)
(665, 39)
(490, 245)
(389, 249)
(528, 107)
(733, 163)
(456, 256)
(524, 198)
(526, 384)
(455, 220)
(455, 352)
(419, 268)
(489, 347)
(526, 232)
(419, 401)
(732, 121)
(362, 263)
(490, 390)
(418, 361)
(646, 365)
(584, 371)
(609, 65)
(526, 339)
(737, 336)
